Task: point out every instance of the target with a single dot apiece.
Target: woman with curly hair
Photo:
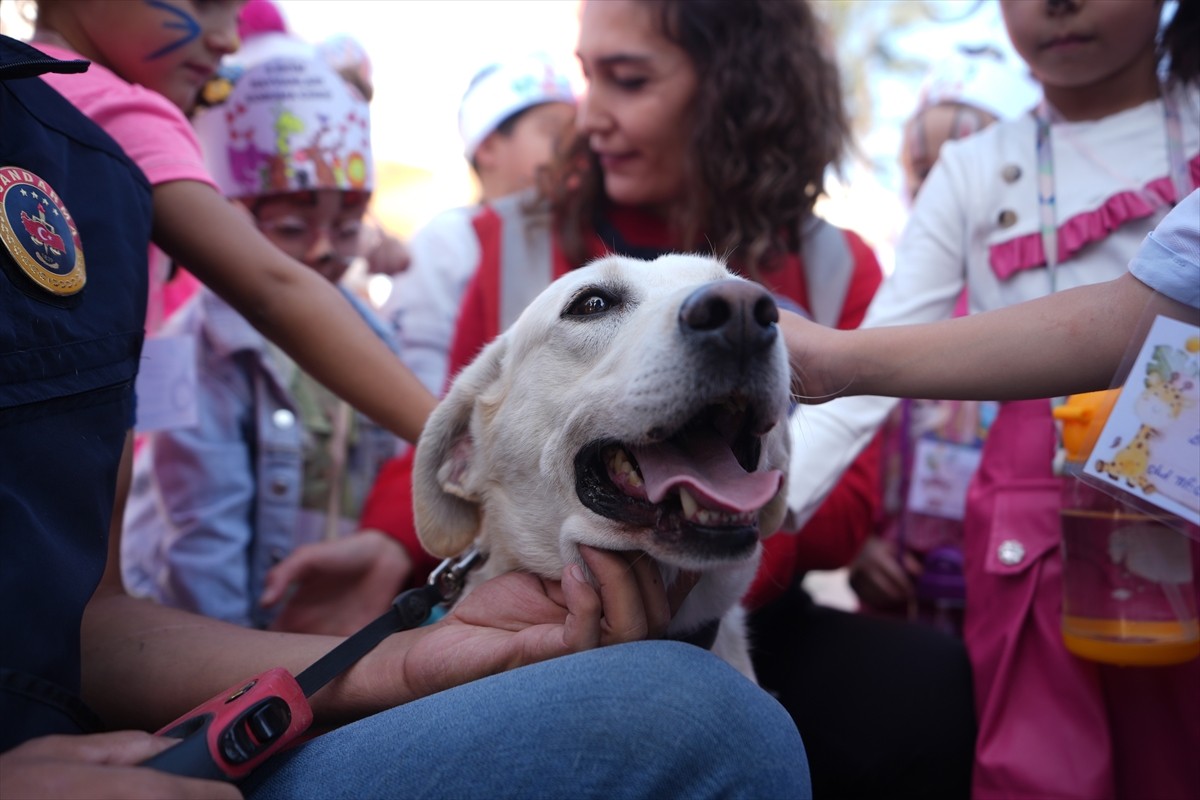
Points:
(709, 126)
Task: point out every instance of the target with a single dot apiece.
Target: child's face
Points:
(509, 163)
(169, 46)
(1075, 44)
(925, 134)
(319, 228)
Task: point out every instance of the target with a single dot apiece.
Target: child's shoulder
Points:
(153, 131)
(102, 94)
(997, 163)
(1004, 141)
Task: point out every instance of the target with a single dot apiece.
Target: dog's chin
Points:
(688, 538)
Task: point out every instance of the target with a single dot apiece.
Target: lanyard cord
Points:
(1047, 201)
(1175, 158)
(1047, 211)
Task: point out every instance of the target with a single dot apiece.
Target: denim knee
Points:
(649, 719)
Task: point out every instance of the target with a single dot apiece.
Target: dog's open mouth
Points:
(696, 490)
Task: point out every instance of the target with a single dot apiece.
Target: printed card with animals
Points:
(1150, 444)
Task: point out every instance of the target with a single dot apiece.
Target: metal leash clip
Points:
(451, 575)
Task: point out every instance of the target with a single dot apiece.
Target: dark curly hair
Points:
(767, 121)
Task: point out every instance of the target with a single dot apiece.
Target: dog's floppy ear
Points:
(445, 499)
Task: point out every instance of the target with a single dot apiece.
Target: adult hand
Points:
(516, 619)
(337, 587)
(99, 766)
(882, 577)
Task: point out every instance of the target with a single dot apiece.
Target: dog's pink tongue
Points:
(707, 467)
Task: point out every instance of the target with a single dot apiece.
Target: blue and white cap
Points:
(500, 90)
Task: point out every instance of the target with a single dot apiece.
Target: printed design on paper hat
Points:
(288, 124)
(38, 232)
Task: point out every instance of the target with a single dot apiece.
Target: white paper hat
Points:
(289, 124)
(982, 80)
(500, 90)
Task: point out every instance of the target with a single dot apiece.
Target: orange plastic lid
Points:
(1082, 416)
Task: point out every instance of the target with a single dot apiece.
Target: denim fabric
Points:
(643, 720)
(214, 506)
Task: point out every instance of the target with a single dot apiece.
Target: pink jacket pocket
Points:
(1025, 524)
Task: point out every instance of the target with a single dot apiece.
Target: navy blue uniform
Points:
(75, 218)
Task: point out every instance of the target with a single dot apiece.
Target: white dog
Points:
(633, 406)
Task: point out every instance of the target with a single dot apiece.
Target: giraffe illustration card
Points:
(1150, 444)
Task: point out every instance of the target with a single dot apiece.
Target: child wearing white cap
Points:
(511, 117)
(275, 460)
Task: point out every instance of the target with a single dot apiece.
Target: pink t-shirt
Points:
(151, 130)
(155, 135)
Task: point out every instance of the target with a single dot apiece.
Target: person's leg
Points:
(651, 719)
(885, 707)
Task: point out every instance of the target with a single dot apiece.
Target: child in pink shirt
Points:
(149, 61)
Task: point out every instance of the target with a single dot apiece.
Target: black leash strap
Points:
(409, 610)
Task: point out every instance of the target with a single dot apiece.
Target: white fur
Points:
(496, 460)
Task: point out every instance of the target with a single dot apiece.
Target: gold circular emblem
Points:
(38, 232)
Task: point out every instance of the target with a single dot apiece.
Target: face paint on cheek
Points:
(180, 20)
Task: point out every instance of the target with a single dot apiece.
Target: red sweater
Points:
(830, 539)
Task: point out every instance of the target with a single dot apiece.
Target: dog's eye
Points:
(589, 303)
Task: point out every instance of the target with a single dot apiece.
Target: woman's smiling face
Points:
(636, 111)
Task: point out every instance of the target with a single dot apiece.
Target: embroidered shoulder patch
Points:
(37, 230)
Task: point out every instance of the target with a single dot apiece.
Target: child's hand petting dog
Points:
(516, 619)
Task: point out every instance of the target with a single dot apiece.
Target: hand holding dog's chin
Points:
(517, 619)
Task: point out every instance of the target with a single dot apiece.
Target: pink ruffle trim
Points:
(1026, 252)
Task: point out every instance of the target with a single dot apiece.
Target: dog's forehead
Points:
(643, 278)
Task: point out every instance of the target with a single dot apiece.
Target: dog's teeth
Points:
(622, 468)
(688, 502)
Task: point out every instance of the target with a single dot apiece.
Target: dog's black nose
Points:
(739, 315)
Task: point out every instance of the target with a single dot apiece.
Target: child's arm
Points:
(292, 305)
(1069, 342)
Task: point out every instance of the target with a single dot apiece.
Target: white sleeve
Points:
(425, 300)
(1169, 259)
(825, 441)
(925, 286)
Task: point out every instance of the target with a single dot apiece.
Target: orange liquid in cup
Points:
(1132, 644)
(1110, 613)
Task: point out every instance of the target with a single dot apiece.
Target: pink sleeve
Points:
(149, 128)
(154, 134)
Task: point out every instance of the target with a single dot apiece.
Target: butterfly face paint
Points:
(178, 20)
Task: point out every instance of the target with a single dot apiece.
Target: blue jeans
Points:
(650, 719)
